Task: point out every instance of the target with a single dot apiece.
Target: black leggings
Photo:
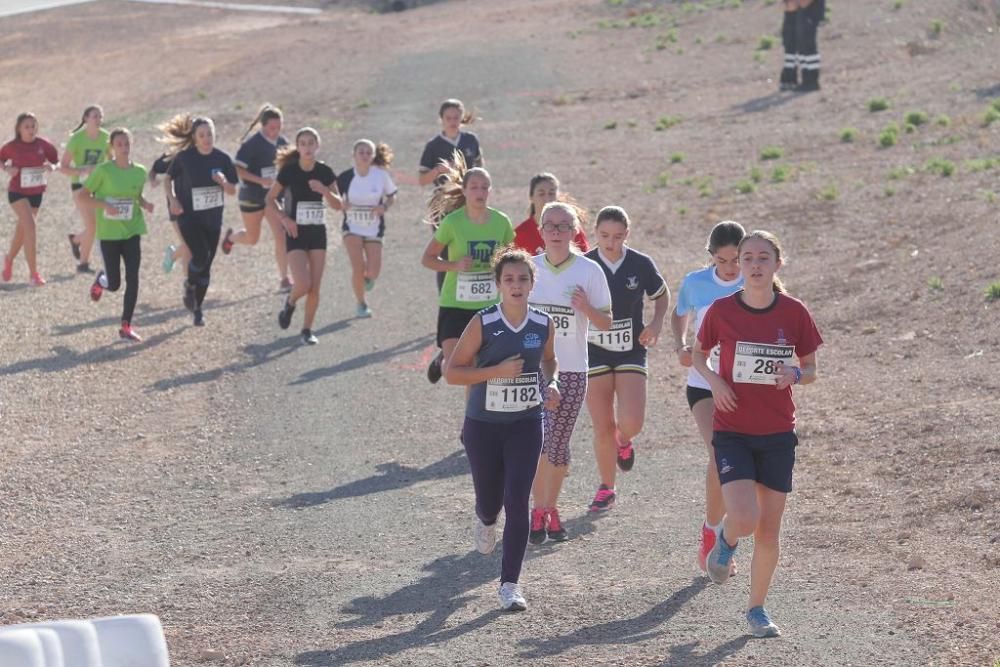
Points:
(202, 240)
(129, 251)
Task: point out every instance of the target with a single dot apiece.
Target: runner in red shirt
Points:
(544, 188)
(760, 332)
(27, 159)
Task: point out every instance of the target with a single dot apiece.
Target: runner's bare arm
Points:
(806, 372)
(725, 397)
(462, 370)
(427, 176)
(550, 370)
(332, 197)
(431, 259)
(651, 333)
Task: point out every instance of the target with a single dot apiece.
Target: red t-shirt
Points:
(762, 340)
(527, 236)
(22, 155)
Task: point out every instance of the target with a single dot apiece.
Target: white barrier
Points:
(78, 640)
(21, 648)
(51, 647)
(131, 641)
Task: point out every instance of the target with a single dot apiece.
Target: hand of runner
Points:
(318, 187)
(684, 356)
(785, 377)
(266, 183)
(650, 335)
(464, 264)
(579, 299)
(11, 170)
(725, 397)
(510, 367)
(84, 174)
(552, 398)
(110, 209)
(219, 177)
(148, 206)
(175, 206)
(378, 211)
(291, 227)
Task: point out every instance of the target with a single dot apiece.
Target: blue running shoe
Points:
(168, 258)
(719, 558)
(761, 624)
(363, 310)
(369, 284)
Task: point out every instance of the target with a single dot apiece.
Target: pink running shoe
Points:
(37, 280)
(705, 545)
(537, 534)
(96, 289)
(604, 500)
(626, 454)
(555, 529)
(8, 268)
(128, 333)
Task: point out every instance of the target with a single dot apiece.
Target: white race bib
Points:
(124, 209)
(268, 172)
(513, 395)
(33, 177)
(760, 363)
(310, 213)
(616, 339)
(361, 220)
(203, 199)
(474, 287)
(563, 317)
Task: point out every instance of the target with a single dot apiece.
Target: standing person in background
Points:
(114, 191)
(87, 147)
(178, 252)
(699, 290)
(308, 185)
(543, 189)
(198, 178)
(617, 357)
(27, 159)
(368, 192)
(256, 169)
(798, 34)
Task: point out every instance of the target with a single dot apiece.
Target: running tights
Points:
(114, 253)
(202, 240)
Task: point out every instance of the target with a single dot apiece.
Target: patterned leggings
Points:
(559, 423)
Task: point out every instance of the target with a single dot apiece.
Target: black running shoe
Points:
(308, 338)
(199, 319)
(434, 369)
(84, 267)
(74, 247)
(189, 297)
(285, 316)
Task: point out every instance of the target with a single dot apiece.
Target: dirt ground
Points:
(279, 505)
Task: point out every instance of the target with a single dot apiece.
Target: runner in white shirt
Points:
(574, 292)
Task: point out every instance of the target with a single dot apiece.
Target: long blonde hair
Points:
(449, 196)
(178, 132)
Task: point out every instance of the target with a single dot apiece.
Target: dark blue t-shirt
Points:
(257, 155)
(440, 150)
(199, 194)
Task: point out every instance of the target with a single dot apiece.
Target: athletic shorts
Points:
(766, 459)
(34, 200)
(695, 394)
(452, 322)
(604, 361)
(311, 237)
(251, 206)
(75, 186)
(367, 239)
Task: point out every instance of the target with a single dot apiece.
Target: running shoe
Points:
(199, 319)
(626, 454)
(369, 284)
(74, 247)
(705, 545)
(537, 534)
(37, 280)
(285, 316)
(286, 285)
(168, 258)
(603, 500)
(761, 624)
(189, 296)
(719, 561)
(96, 289)
(308, 338)
(8, 268)
(227, 243)
(434, 369)
(511, 598)
(556, 531)
(84, 267)
(484, 537)
(363, 310)
(128, 333)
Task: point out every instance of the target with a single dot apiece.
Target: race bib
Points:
(513, 394)
(474, 287)
(362, 220)
(760, 363)
(33, 177)
(617, 339)
(563, 317)
(123, 209)
(203, 199)
(268, 172)
(310, 213)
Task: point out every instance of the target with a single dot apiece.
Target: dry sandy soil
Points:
(279, 505)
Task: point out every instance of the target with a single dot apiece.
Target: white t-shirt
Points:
(553, 291)
(364, 193)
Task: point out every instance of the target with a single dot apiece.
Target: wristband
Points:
(553, 381)
(798, 374)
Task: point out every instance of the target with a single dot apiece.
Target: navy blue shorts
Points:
(695, 394)
(602, 362)
(766, 459)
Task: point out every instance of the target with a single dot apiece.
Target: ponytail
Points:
(86, 112)
(266, 114)
(290, 154)
(725, 233)
(382, 154)
(450, 194)
(468, 117)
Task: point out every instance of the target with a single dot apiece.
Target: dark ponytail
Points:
(266, 114)
(86, 112)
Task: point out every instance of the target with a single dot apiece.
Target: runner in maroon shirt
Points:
(28, 159)
(760, 331)
(544, 188)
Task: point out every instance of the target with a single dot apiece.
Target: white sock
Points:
(715, 528)
(103, 280)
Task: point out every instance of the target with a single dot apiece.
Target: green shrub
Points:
(756, 175)
(888, 137)
(772, 153)
(935, 283)
(936, 27)
(780, 174)
(746, 187)
(916, 118)
(941, 166)
(676, 158)
(993, 291)
(991, 116)
(766, 43)
(898, 173)
(610, 125)
(942, 120)
(848, 135)
(666, 122)
(878, 104)
(829, 193)
(890, 191)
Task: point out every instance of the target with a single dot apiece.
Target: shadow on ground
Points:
(363, 360)
(767, 102)
(66, 359)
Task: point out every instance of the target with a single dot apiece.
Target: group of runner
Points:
(531, 320)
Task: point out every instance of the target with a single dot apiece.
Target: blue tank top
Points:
(509, 400)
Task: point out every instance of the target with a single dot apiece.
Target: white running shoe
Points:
(485, 537)
(511, 598)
